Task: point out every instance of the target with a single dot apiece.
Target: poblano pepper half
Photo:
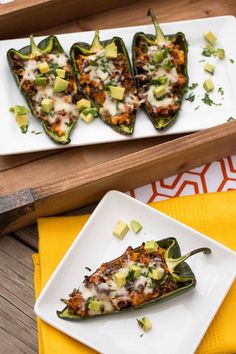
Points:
(44, 76)
(153, 272)
(105, 74)
(160, 67)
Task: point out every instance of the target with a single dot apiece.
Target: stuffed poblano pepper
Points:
(44, 75)
(105, 74)
(160, 67)
(147, 274)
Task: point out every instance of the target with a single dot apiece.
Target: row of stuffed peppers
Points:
(98, 80)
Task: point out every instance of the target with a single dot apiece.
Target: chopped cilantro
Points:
(193, 86)
(202, 61)
(130, 275)
(89, 269)
(142, 334)
(196, 108)
(220, 90)
(190, 97)
(230, 119)
(206, 52)
(207, 100)
(231, 61)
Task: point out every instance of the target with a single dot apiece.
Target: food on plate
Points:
(145, 324)
(208, 85)
(135, 226)
(210, 37)
(21, 115)
(104, 72)
(210, 68)
(120, 229)
(146, 274)
(160, 66)
(44, 75)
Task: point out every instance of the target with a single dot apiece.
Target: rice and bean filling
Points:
(38, 77)
(98, 74)
(160, 71)
(133, 279)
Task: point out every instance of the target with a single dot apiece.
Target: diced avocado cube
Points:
(82, 104)
(23, 122)
(120, 279)
(43, 67)
(120, 229)
(220, 53)
(210, 37)
(208, 85)
(158, 57)
(47, 105)
(117, 92)
(209, 68)
(136, 269)
(61, 73)
(60, 85)
(135, 226)
(40, 81)
(21, 115)
(145, 324)
(156, 274)
(160, 91)
(19, 110)
(210, 48)
(111, 51)
(151, 246)
(88, 118)
(94, 305)
(162, 80)
(88, 114)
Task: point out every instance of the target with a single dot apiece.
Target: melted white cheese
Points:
(31, 71)
(158, 103)
(87, 292)
(109, 105)
(59, 59)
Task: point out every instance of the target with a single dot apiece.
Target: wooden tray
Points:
(54, 182)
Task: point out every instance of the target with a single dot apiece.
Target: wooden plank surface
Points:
(18, 333)
(79, 187)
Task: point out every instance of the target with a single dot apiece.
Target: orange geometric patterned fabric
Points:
(213, 177)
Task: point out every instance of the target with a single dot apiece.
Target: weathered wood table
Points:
(18, 333)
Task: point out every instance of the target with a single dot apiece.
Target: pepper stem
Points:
(35, 51)
(172, 263)
(159, 34)
(96, 44)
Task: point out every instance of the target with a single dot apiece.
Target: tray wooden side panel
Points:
(34, 15)
(88, 186)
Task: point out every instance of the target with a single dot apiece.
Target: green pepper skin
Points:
(161, 123)
(177, 267)
(86, 49)
(48, 45)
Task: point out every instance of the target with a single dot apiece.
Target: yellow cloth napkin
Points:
(213, 214)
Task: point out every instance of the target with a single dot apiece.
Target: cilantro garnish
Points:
(207, 100)
(220, 90)
(190, 97)
(193, 86)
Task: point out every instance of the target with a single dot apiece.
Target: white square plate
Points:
(185, 317)
(189, 119)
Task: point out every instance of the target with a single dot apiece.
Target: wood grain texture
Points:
(81, 187)
(18, 332)
(41, 14)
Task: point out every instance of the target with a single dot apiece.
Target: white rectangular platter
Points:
(190, 119)
(184, 318)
